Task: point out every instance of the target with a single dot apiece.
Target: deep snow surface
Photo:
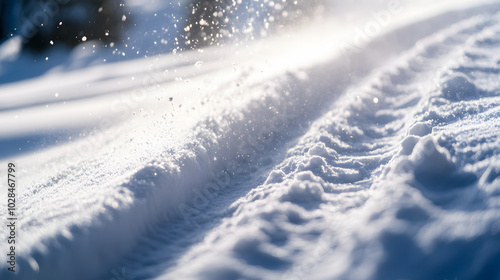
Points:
(283, 158)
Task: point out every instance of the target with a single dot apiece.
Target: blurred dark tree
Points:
(205, 20)
(209, 22)
(39, 22)
(9, 12)
(3, 15)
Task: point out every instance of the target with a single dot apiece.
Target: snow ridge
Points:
(314, 208)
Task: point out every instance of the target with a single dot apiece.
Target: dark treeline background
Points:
(205, 23)
(68, 21)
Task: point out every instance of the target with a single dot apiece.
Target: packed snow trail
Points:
(367, 178)
(321, 170)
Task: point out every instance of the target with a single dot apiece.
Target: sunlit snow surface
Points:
(279, 158)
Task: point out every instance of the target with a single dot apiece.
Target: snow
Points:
(283, 157)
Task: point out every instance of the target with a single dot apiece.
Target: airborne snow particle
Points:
(84, 38)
